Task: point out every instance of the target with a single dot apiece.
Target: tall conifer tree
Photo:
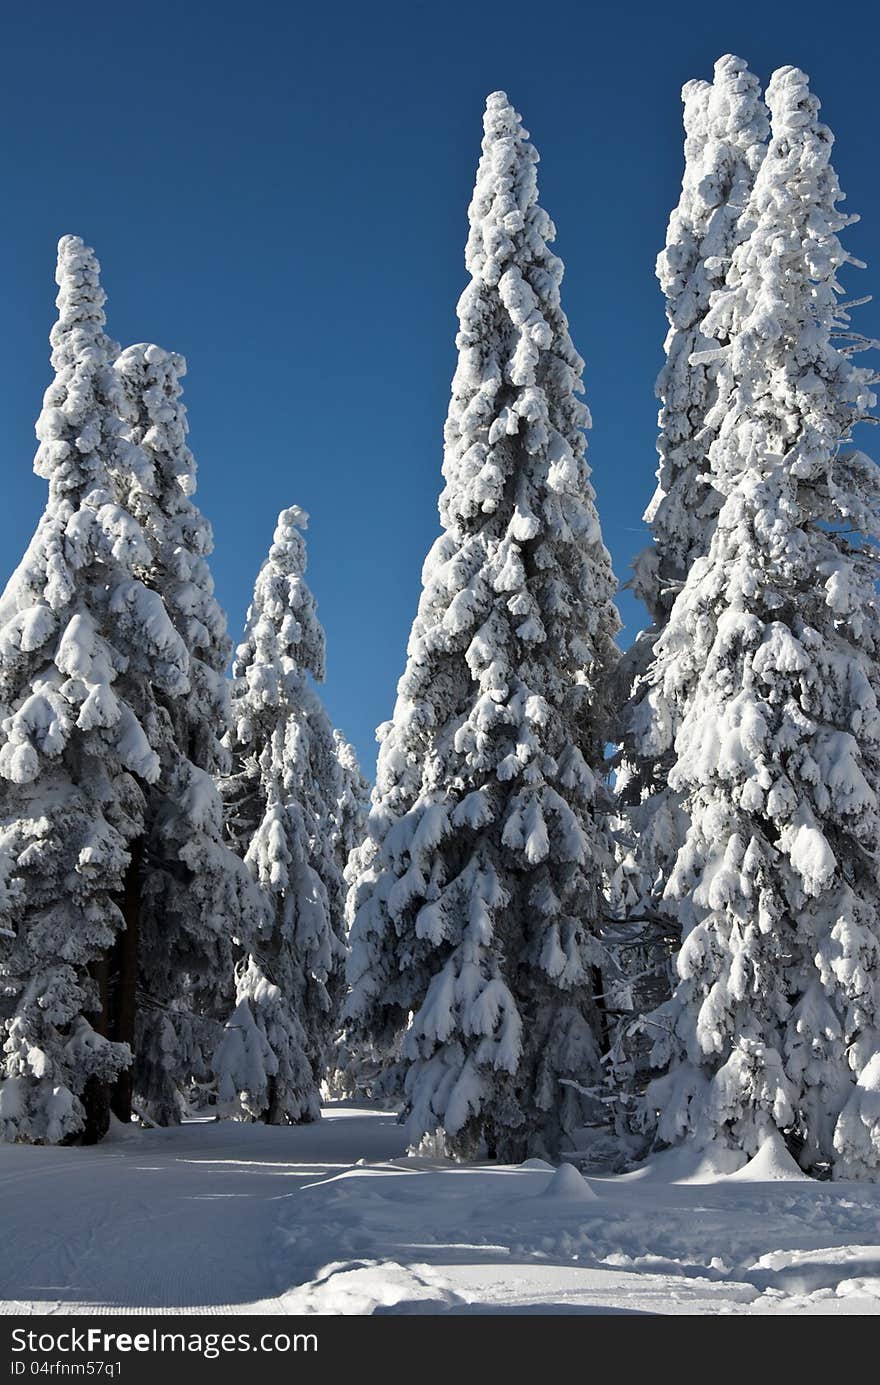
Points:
(771, 652)
(478, 899)
(725, 141)
(283, 796)
(196, 896)
(85, 650)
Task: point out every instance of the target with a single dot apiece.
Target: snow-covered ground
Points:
(332, 1218)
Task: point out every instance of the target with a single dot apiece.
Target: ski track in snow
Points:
(332, 1218)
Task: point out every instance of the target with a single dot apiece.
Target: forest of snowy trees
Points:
(629, 895)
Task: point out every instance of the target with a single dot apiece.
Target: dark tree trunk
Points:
(125, 998)
(100, 974)
(602, 1010)
(272, 1114)
(95, 1095)
(96, 1102)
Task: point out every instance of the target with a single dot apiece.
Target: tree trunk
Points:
(601, 1010)
(126, 957)
(96, 1096)
(273, 1114)
(96, 1103)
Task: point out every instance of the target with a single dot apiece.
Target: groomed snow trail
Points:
(332, 1218)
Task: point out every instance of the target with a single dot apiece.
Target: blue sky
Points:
(280, 192)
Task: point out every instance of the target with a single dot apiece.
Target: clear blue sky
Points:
(279, 191)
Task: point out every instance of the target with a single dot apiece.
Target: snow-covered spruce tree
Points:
(478, 900)
(355, 1063)
(282, 798)
(726, 139)
(261, 1063)
(772, 649)
(350, 814)
(84, 645)
(725, 142)
(196, 896)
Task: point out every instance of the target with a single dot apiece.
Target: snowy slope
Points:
(331, 1218)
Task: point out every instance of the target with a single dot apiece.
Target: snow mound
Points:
(688, 1164)
(868, 1287)
(812, 1271)
(119, 1132)
(540, 1164)
(772, 1164)
(364, 1287)
(567, 1185)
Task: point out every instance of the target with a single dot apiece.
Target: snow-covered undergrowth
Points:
(332, 1218)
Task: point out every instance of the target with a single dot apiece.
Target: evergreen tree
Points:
(355, 1063)
(477, 901)
(771, 653)
(84, 648)
(726, 133)
(350, 815)
(262, 1065)
(196, 895)
(725, 142)
(282, 795)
